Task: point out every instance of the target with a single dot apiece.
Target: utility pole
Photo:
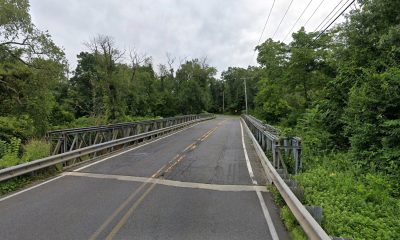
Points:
(245, 93)
(223, 101)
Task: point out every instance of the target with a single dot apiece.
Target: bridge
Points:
(197, 178)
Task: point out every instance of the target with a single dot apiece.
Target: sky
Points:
(223, 31)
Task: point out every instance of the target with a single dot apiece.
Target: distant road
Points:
(194, 184)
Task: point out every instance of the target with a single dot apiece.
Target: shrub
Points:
(356, 207)
(36, 149)
(11, 152)
(13, 155)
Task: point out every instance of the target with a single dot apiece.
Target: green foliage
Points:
(10, 153)
(35, 149)
(14, 153)
(288, 218)
(19, 127)
(292, 225)
(233, 88)
(356, 207)
(341, 95)
(371, 118)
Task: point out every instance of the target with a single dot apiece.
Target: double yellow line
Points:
(165, 168)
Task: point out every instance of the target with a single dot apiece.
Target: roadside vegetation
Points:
(339, 92)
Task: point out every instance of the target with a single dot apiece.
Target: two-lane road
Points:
(203, 182)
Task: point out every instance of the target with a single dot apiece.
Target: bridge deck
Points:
(194, 184)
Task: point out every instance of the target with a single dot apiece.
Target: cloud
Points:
(224, 31)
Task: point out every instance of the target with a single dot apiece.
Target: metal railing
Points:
(70, 158)
(66, 140)
(276, 145)
(266, 141)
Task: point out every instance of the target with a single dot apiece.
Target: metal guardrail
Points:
(74, 156)
(273, 143)
(305, 219)
(66, 140)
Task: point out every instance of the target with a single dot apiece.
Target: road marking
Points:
(191, 145)
(89, 165)
(264, 208)
(86, 166)
(208, 134)
(172, 183)
(96, 234)
(126, 216)
(153, 180)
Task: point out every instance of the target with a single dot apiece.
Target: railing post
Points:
(275, 153)
(297, 155)
(285, 145)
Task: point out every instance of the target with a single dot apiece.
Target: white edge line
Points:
(264, 208)
(63, 175)
(249, 168)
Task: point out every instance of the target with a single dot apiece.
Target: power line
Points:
(341, 1)
(312, 15)
(266, 22)
(336, 13)
(305, 9)
(334, 19)
(282, 19)
(265, 25)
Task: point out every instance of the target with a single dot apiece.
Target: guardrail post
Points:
(297, 155)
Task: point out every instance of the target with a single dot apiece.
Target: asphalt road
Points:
(194, 184)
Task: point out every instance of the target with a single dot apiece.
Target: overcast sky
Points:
(224, 31)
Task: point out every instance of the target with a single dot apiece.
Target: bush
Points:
(36, 149)
(11, 153)
(292, 225)
(354, 207)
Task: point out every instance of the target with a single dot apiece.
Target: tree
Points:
(31, 66)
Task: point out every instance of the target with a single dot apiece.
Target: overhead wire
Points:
(305, 9)
(316, 9)
(265, 26)
(287, 10)
(323, 21)
(266, 22)
(344, 10)
(347, 1)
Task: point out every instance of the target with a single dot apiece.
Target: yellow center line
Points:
(206, 136)
(117, 211)
(190, 146)
(175, 161)
(125, 218)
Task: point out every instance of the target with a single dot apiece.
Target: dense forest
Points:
(339, 91)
